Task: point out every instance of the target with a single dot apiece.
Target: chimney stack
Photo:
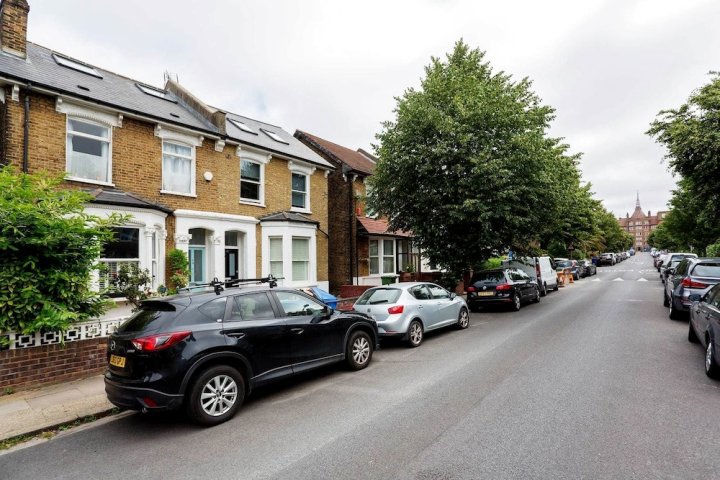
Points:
(13, 27)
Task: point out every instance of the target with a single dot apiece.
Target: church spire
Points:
(637, 202)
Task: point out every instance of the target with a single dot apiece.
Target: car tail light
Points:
(396, 309)
(690, 283)
(502, 287)
(160, 341)
(471, 289)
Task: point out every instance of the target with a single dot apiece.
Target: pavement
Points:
(30, 411)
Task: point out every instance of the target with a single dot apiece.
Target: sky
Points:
(334, 68)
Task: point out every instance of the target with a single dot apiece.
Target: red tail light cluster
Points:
(396, 309)
(689, 283)
(471, 289)
(502, 287)
(161, 341)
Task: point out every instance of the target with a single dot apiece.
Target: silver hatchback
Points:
(408, 310)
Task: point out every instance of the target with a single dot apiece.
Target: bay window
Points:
(382, 256)
(300, 258)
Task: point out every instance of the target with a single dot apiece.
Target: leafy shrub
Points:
(179, 269)
(131, 282)
(48, 249)
(713, 250)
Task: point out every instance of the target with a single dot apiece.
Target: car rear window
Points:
(488, 278)
(150, 316)
(707, 270)
(565, 264)
(380, 295)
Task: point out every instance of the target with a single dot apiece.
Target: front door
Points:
(231, 263)
(196, 257)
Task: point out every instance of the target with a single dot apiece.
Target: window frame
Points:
(68, 151)
(270, 256)
(306, 193)
(260, 183)
(306, 261)
(193, 167)
(103, 283)
(381, 256)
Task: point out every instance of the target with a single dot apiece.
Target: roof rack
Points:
(219, 286)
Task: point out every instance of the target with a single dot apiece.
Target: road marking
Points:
(596, 280)
(642, 280)
(618, 280)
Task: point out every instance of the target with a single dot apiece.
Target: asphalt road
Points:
(593, 382)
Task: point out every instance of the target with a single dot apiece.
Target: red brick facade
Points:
(35, 366)
(639, 225)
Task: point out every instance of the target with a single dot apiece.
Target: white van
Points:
(540, 269)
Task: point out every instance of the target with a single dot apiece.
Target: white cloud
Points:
(333, 68)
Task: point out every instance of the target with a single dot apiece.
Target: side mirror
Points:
(670, 271)
(695, 297)
(453, 295)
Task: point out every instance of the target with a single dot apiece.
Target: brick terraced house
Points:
(362, 248)
(242, 197)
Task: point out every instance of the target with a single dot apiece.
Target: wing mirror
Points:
(453, 295)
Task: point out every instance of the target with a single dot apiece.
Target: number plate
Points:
(116, 361)
(486, 294)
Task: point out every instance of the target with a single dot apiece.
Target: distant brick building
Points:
(639, 225)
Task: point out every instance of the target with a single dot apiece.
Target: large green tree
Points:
(691, 135)
(467, 165)
(48, 248)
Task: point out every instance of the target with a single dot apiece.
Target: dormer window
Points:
(274, 136)
(76, 65)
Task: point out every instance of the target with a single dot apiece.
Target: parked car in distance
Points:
(587, 268)
(501, 286)
(659, 259)
(408, 310)
(207, 349)
(705, 328)
(563, 263)
(671, 261)
(690, 276)
(606, 259)
(539, 269)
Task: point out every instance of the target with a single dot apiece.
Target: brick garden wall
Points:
(25, 368)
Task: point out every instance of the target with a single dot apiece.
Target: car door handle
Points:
(237, 335)
(297, 331)
(420, 306)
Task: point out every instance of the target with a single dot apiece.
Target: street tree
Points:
(467, 165)
(690, 135)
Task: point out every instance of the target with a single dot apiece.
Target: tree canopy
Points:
(691, 136)
(468, 167)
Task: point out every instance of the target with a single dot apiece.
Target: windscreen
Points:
(380, 295)
(565, 264)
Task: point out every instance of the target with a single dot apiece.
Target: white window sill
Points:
(87, 180)
(254, 204)
(300, 210)
(179, 194)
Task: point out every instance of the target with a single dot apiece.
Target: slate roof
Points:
(354, 159)
(115, 196)
(288, 217)
(291, 146)
(379, 226)
(42, 71)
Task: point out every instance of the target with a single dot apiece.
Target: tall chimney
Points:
(13, 27)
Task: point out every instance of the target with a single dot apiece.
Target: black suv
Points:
(501, 286)
(206, 350)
